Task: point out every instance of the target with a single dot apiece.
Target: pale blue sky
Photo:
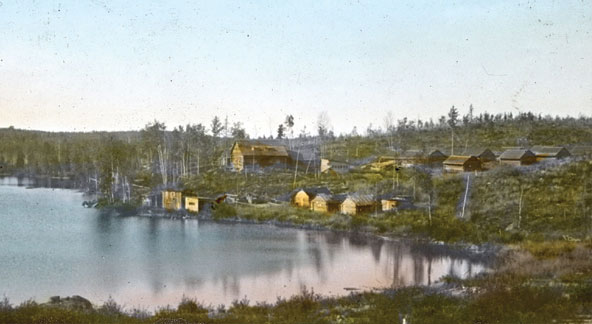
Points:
(116, 65)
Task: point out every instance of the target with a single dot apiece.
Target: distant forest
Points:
(123, 165)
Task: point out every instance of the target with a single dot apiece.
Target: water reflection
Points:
(151, 262)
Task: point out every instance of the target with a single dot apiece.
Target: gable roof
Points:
(257, 148)
(477, 151)
(515, 154)
(313, 191)
(434, 153)
(549, 151)
(360, 199)
(458, 159)
(330, 198)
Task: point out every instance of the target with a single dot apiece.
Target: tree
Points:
(453, 117)
(289, 123)
(216, 127)
(323, 124)
(280, 131)
(238, 131)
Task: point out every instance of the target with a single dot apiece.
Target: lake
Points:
(51, 245)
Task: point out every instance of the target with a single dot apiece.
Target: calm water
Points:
(50, 245)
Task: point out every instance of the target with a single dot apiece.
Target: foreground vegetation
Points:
(526, 288)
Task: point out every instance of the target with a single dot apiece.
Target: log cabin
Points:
(517, 157)
(303, 197)
(458, 163)
(252, 155)
(546, 153)
(357, 203)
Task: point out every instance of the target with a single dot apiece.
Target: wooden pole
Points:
(466, 193)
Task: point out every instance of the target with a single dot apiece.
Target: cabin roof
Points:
(393, 197)
(361, 199)
(458, 159)
(258, 148)
(330, 198)
(313, 191)
(550, 151)
(476, 151)
(515, 154)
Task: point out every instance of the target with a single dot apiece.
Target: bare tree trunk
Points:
(296, 168)
(163, 163)
(430, 209)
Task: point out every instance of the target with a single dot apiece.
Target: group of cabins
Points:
(482, 159)
(323, 201)
(173, 200)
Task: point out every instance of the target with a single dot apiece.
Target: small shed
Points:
(171, 199)
(458, 163)
(549, 152)
(394, 202)
(325, 203)
(192, 204)
(358, 203)
(303, 197)
(517, 157)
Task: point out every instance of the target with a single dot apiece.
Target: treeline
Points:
(122, 166)
(118, 165)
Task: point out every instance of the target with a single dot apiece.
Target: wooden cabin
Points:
(546, 153)
(517, 157)
(335, 166)
(458, 163)
(486, 156)
(171, 199)
(325, 203)
(303, 197)
(357, 204)
(389, 203)
(252, 155)
(192, 204)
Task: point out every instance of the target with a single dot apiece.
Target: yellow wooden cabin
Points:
(247, 154)
(392, 203)
(325, 203)
(171, 199)
(303, 197)
(356, 204)
(192, 204)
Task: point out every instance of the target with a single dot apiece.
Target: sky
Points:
(85, 65)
